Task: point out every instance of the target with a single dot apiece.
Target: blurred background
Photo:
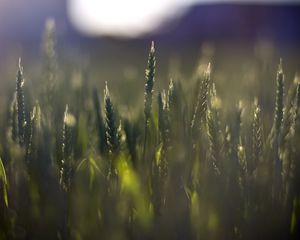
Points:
(112, 39)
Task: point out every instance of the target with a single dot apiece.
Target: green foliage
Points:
(91, 166)
(131, 132)
(3, 183)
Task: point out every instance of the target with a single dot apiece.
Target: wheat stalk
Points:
(202, 101)
(257, 141)
(214, 142)
(100, 124)
(67, 168)
(20, 104)
(14, 119)
(150, 74)
(113, 142)
(279, 107)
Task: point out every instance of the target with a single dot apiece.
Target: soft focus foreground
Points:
(179, 162)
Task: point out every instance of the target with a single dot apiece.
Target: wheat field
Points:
(183, 163)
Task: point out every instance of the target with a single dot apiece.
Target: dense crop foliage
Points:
(179, 170)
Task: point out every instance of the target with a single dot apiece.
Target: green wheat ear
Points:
(295, 129)
(14, 119)
(150, 72)
(163, 118)
(298, 96)
(148, 93)
(100, 124)
(174, 104)
(238, 123)
(164, 132)
(112, 135)
(288, 122)
(35, 129)
(257, 141)
(214, 142)
(295, 126)
(202, 101)
(66, 165)
(274, 136)
(20, 104)
(279, 97)
(296, 106)
(279, 106)
(171, 96)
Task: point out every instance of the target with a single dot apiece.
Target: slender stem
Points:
(145, 140)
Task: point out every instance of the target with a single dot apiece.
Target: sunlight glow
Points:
(122, 18)
(132, 18)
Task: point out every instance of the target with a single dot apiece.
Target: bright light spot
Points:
(132, 18)
(121, 17)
